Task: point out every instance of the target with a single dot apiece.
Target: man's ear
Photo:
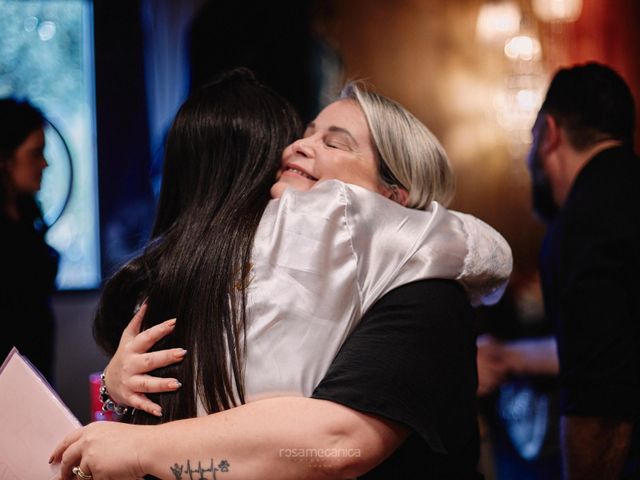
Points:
(550, 135)
(397, 194)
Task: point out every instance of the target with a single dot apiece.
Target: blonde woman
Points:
(371, 246)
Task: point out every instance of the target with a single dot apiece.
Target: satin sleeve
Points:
(395, 245)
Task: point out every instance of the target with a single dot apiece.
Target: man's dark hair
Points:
(592, 103)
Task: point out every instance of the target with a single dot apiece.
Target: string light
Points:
(557, 10)
(498, 21)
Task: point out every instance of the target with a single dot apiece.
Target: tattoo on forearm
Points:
(199, 472)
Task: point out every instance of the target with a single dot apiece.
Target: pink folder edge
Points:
(11, 464)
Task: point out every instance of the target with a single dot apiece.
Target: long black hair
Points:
(18, 119)
(222, 153)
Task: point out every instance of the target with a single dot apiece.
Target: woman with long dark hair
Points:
(29, 265)
(217, 173)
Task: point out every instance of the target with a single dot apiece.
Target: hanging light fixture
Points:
(557, 10)
(523, 47)
(519, 98)
(498, 21)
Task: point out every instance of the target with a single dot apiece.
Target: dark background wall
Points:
(126, 201)
(272, 38)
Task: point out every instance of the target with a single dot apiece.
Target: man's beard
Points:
(544, 205)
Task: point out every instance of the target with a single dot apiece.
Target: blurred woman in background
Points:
(29, 265)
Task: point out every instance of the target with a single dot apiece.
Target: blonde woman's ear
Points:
(397, 194)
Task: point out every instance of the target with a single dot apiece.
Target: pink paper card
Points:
(33, 420)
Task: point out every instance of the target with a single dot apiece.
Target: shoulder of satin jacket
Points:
(395, 245)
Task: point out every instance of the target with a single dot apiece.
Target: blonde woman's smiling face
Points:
(336, 145)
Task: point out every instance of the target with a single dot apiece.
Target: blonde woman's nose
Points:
(302, 146)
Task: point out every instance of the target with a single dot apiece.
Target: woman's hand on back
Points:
(126, 375)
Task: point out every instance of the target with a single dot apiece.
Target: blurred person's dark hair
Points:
(18, 119)
(592, 103)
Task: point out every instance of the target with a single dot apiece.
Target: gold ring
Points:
(77, 471)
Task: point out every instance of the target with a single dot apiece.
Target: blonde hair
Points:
(409, 155)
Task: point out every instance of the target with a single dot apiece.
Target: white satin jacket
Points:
(322, 258)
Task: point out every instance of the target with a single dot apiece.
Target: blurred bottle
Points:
(97, 414)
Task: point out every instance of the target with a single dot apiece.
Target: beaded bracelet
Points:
(108, 405)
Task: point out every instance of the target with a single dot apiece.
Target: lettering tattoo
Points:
(199, 473)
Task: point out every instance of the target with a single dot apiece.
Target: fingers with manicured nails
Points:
(133, 328)
(147, 362)
(64, 444)
(70, 458)
(142, 402)
(126, 375)
(149, 384)
(147, 339)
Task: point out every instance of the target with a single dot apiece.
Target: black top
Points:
(29, 268)
(412, 359)
(590, 266)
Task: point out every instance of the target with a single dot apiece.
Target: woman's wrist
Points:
(108, 404)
